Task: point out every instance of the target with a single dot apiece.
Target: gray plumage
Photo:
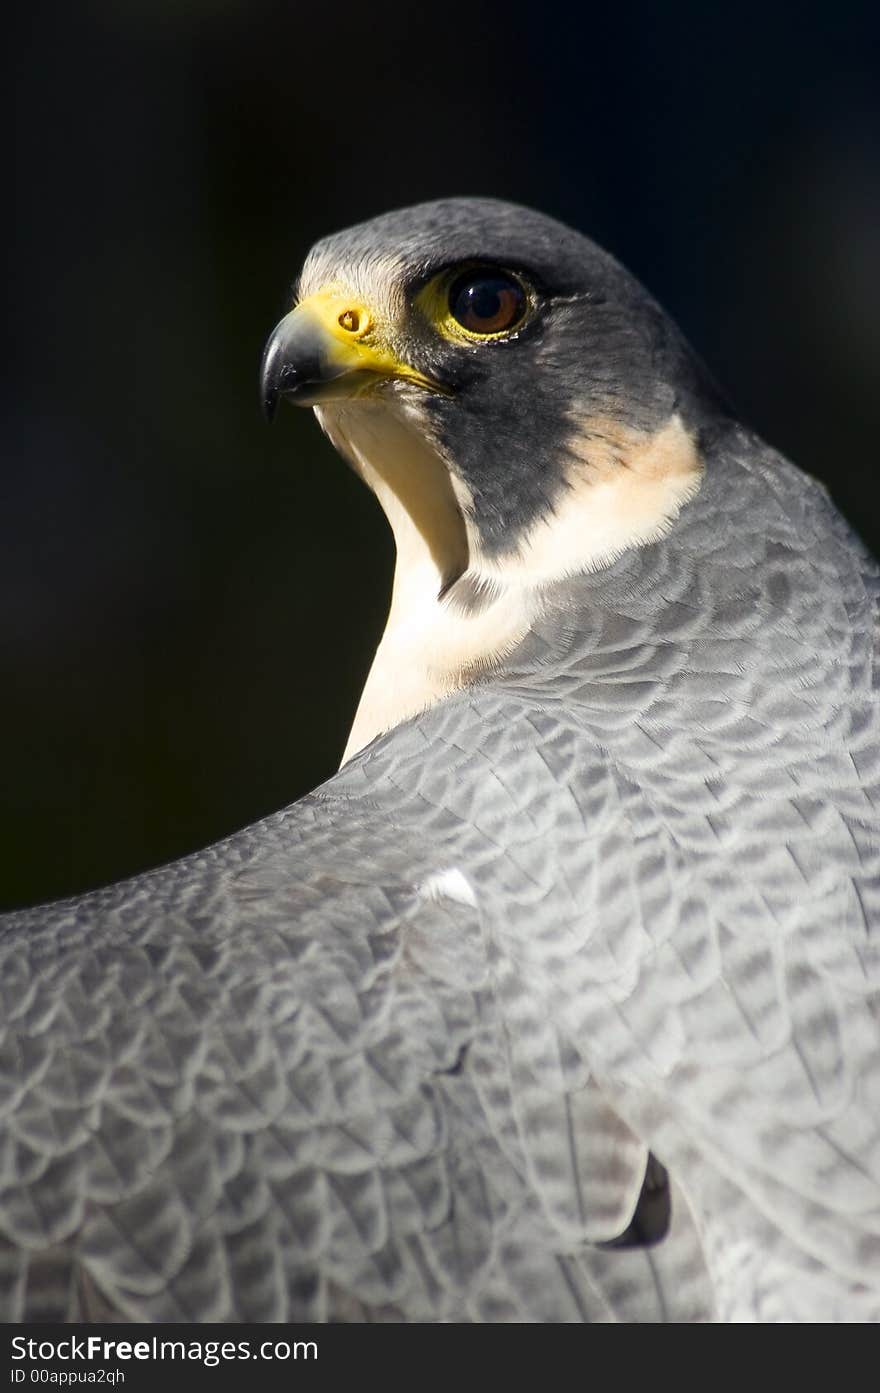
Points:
(401, 1051)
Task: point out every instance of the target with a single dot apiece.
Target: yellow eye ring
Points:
(477, 304)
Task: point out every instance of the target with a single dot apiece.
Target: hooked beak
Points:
(328, 347)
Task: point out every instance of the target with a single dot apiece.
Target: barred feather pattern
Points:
(401, 1051)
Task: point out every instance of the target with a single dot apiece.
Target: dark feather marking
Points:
(653, 1211)
(471, 593)
(455, 1069)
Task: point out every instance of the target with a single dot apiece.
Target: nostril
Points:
(350, 320)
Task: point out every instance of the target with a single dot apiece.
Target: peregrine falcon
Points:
(561, 1000)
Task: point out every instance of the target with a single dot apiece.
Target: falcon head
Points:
(523, 410)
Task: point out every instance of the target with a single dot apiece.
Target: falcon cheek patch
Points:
(622, 488)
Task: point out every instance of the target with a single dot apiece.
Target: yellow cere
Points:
(353, 337)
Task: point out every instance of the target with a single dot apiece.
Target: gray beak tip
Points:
(269, 404)
(269, 380)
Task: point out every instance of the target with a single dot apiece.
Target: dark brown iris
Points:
(487, 302)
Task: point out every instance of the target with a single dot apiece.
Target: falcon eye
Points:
(487, 302)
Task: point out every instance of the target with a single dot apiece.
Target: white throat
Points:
(432, 645)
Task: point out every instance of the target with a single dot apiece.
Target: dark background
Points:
(188, 601)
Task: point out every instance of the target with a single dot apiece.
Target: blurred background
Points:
(188, 601)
